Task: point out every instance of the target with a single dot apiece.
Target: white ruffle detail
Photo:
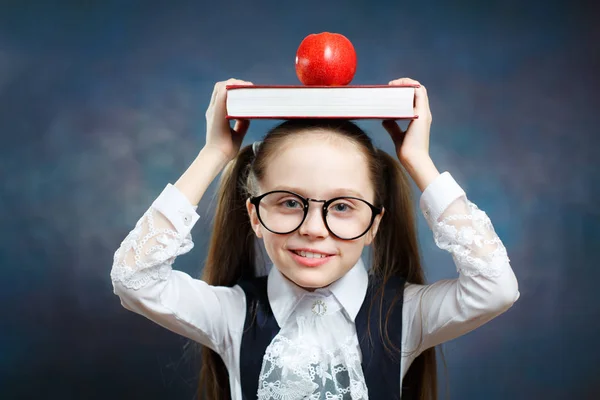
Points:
(154, 251)
(472, 241)
(314, 356)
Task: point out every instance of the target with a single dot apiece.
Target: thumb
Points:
(241, 127)
(394, 130)
(239, 131)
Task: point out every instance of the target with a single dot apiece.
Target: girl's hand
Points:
(220, 136)
(412, 145)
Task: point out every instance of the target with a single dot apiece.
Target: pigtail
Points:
(231, 256)
(232, 249)
(395, 248)
(396, 253)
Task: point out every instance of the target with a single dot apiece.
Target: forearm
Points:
(422, 170)
(486, 285)
(199, 175)
(163, 232)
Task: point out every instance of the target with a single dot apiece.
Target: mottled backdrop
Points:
(102, 103)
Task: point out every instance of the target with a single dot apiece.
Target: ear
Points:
(254, 221)
(370, 236)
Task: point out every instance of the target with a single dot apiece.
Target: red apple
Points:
(326, 59)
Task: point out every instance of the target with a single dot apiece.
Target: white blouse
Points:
(317, 341)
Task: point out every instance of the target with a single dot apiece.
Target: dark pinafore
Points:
(381, 371)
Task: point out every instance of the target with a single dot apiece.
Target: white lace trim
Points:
(465, 237)
(314, 357)
(154, 253)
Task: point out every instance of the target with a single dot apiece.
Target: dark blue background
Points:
(102, 104)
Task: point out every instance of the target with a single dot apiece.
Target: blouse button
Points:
(319, 307)
(187, 218)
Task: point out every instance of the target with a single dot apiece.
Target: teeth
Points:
(308, 254)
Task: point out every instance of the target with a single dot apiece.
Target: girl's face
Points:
(317, 166)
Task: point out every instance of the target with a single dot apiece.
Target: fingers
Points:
(221, 87)
(394, 130)
(241, 126)
(421, 103)
(218, 101)
(404, 81)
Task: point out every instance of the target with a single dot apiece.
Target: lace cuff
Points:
(162, 234)
(472, 241)
(462, 229)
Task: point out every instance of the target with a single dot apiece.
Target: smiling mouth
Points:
(308, 254)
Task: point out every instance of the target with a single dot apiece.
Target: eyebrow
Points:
(335, 193)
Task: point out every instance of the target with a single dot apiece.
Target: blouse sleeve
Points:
(486, 285)
(146, 284)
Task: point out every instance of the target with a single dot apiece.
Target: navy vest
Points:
(381, 371)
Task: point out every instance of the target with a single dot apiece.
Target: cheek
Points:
(273, 243)
(351, 251)
(370, 236)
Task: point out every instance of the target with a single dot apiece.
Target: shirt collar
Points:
(350, 290)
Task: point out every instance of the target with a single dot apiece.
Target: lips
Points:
(310, 257)
(309, 254)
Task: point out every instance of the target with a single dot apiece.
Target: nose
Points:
(314, 225)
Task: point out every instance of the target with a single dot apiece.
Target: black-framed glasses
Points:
(345, 217)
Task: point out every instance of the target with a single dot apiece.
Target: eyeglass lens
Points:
(283, 212)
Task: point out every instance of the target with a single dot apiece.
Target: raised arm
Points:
(486, 285)
(142, 273)
(144, 280)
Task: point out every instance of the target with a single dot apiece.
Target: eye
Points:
(291, 203)
(340, 207)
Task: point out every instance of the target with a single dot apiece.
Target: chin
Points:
(311, 278)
